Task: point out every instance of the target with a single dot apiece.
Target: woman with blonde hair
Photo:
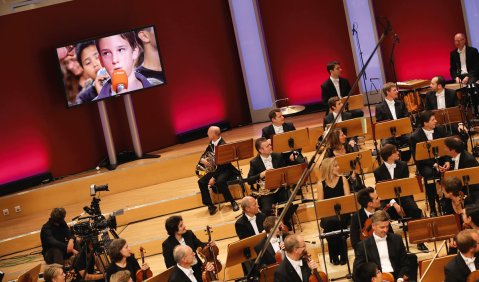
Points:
(334, 185)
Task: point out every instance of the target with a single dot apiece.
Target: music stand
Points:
(242, 250)
(365, 156)
(30, 275)
(468, 176)
(291, 140)
(392, 128)
(448, 115)
(353, 127)
(266, 274)
(354, 102)
(164, 276)
(432, 229)
(398, 188)
(336, 207)
(234, 152)
(425, 153)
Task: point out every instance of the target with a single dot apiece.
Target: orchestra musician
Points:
(335, 104)
(453, 192)
(251, 222)
(393, 168)
(466, 261)
(426, 132)
(336, 86)
(122, 259)
(266, 160)
(386, 250)
(440, 97)
(276, 245)
(217, 178)
(185, 260)
(179, 235)
(369, 201)
(368, 272)
(339, 145)
(294, 268)
(464, 61)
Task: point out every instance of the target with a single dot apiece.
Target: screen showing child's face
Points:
(90, 61)
(116, 53)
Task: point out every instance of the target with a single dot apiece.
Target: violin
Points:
(209, 254)
(316, 276)
(367, 230)
(388, 277)
(279, 256)
(141, 274)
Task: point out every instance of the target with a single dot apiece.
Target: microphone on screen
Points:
(119, 80)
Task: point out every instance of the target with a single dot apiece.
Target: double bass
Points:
(209, 254)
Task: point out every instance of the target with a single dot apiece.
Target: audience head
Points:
(249, 205)
(174, 224)
(380, 224)
(54, 273)
(334, 69)
(276, 117)
(367, 197)
(390, 90)
(118, 250)
(368, 272)
(389, 153)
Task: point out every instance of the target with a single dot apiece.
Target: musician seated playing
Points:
(369, 201)
(121, 258)
(275, 251)
(393, 168)
(470, 217)
(335, 104)
(217, 178)
(386, 250)
(267, 160)
(392, 109)
(295, 267)
(466, 261)
(334, 185)
(428, 169)
(339, 144)
(458, 200)
(368, 272)
(183, 272)
(251, 222)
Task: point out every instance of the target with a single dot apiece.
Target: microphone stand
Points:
(375, 142)
(320, 147)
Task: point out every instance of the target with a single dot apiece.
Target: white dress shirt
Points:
(336, 85)
(188, 272)
(456, 161)
(252, 221)
(340, 118)
(215, 143)
(441, 99)
(275, 244)
(462, 58)
(268, 162)
(278, 129)
(429, 134)
(182, 241)
(297, 266)
(383, 251)
(469, 262)
(392, 108)
(390, 168)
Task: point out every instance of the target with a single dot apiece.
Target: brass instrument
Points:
(202, 169)
(262, 191)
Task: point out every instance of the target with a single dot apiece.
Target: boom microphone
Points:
(119, 80)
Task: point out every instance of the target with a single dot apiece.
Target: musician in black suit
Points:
(440, 97)
(393, 168)
(381, 242)
(185, 260)
(179, 235)
(266, 160)
(276, 245)
(217, 178)
(336, 86)
(335, 104)
(294, 268)
(369, 201)
(426, 132)
(464, 61)
(277, 124)
(466, 261)
(251, 222)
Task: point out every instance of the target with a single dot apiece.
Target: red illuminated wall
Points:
(426, 30)
(301, 38)
(203, 72)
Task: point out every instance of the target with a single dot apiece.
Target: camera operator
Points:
(86, 260)
(56, 238)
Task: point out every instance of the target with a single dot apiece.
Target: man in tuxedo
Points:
(391, 109)
(393, 168)
(335, 104)
(217, 178)
(427, 168)
(440, 97)
(386, 250)
(464, 61)
(276, 245)
(465, 262)
(369, 201)
(183, 272)
(277, 125)
(336, 86)
(267, 160)
(294, 268)
(251, 222)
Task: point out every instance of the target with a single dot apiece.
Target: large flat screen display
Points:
(109, 66)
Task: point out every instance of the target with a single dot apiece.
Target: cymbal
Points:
(289, 110)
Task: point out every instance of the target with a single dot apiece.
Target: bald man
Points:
(464, 61)
(217, 178)
(185, 258)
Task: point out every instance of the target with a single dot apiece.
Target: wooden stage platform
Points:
(148, 191)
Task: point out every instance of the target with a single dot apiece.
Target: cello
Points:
(209, 254)
(141, 274)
